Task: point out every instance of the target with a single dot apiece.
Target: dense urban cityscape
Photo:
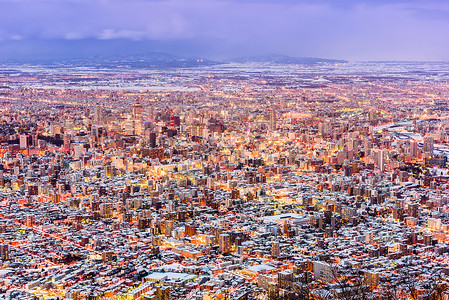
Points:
(225, 181)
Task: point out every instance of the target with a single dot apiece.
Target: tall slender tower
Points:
(67, 143)
(382, 155)
(413, 148)
(428, 144)
(137, 118)
(24, 141)
(151, 113)
(272, 120)
(136, 111)
(152, 139)
(98, 115)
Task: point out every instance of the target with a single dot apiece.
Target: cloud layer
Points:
(356, 30)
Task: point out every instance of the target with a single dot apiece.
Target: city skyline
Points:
(224, 150)
(225, 182)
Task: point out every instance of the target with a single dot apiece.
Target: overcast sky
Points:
(353, 30)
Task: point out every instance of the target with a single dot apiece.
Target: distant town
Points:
(232, 181)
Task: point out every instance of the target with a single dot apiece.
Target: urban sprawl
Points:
(236, 181)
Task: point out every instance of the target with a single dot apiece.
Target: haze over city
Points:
(218, 29)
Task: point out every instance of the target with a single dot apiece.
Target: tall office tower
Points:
(35, 139)
(224, 243)
(138, 127)
(55, 129)
(151, 113)
(352, 145)
(413, 148)
(322, 128)
(169, 227)
(4, 251)
(381, 160)
(428, 144)
(106, 210)
(23, 138)
(98, 115)
(78, 150)
(152, 139)
(95, 133)
(67, 143)
(175, 121)
(136, 111)
(189, 230)
(275, 249)
(68, 125)
(128, 126)
(137, 117)
(272, 120)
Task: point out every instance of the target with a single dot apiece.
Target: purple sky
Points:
(354, 30)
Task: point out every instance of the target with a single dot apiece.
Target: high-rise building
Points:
(169, 226)
(152, 139)
(137, 118)
(323, 271)
(144, 223)
(29, 220)
(4, 251)
(151, 113)
(95, 132)
(68, 125)
(272, 120)
(129, 126)
(224, 243)
(189, 230)
(285, 278)
(428, 144)
(175, 121)
(138, 127)
(413, 210)
(78, 151)
(24, 141)
(323, 128)
(371, 278)
(163, 293)
(382, 160)
(106, 210)
(413, 148)
(275, 249)
(98, 115)
(136, 111)
(55, 129)
(67, 143)
(34, 140)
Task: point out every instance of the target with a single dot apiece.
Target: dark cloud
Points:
(357, 30)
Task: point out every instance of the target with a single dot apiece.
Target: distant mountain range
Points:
(147, 60)
(154, 60)
(286, 60)
(165, 60)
